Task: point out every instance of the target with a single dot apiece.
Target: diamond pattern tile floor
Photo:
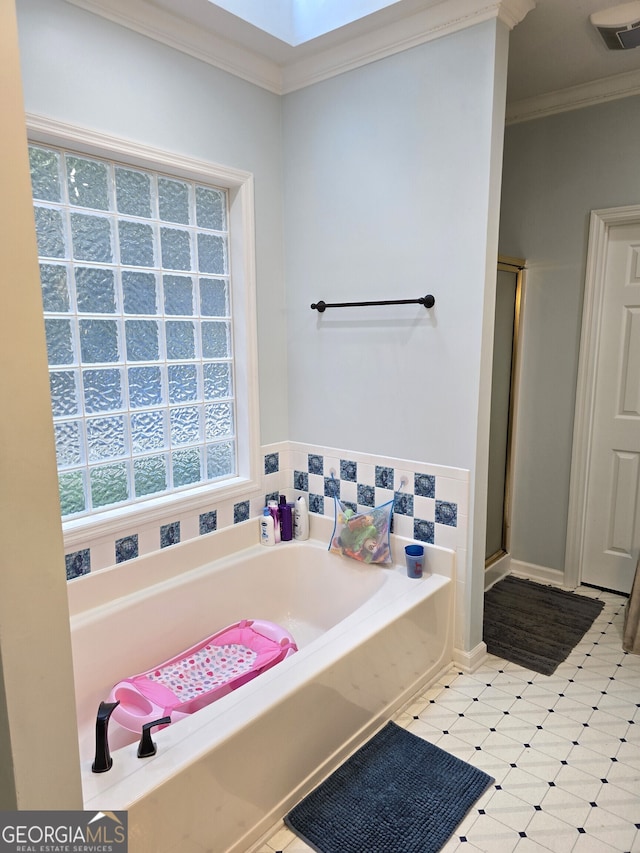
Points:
(564, 749)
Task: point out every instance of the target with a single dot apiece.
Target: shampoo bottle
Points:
(301, 519)
(286, 520)
(273, 509)
(267, 528)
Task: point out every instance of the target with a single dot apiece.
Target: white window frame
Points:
(239, 184)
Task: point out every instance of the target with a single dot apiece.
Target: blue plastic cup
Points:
(414, 556)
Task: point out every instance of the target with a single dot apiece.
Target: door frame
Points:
(601, 222)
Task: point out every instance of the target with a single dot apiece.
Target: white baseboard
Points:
(470, 661)
(533, 572)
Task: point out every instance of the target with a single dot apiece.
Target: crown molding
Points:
(511, 12)
(439, 19)
(186, 37)
(574, 97)
(432, 23)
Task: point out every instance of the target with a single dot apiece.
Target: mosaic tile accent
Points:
(316, 504)
(208, 522)
(384, 477)
(359, 496)
(271, 463)
(447, 513)
(331, 487)
(403, 504)
(169, 534)
(348, 470)
(366, 495)
(126, 548)
(241, 511)
(424, 531)
(301, 481)
(78, 563)
(424, 485)
(316, 463)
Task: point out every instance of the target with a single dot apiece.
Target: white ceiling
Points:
(556, 47)
(557, 60)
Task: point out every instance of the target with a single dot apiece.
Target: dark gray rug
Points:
(396, 794)
(534, 625)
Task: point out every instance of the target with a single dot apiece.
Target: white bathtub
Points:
(369, 638)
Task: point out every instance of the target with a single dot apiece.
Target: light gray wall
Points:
(387, 174)
(392, 176)
(556, 170)
(82, 69)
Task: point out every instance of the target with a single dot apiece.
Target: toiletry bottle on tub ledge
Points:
(275, 514)
(301, 519)
(286, 519)
(267, 528)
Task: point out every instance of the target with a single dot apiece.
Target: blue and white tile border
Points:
(431, 502)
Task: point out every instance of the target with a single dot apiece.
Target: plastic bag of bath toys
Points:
(362, 536)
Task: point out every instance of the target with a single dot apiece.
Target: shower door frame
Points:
(497, 565)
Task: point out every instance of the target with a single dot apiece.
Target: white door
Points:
(612, 505)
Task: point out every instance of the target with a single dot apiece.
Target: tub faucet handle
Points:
(146, 747)
(103, 761)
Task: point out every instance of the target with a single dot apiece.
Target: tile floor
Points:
(564, 749)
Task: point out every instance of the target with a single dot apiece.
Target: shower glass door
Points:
(507, 315)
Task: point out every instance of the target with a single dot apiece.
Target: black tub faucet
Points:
(147, 747)
(103, 761)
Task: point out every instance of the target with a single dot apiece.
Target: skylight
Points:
(298, 21)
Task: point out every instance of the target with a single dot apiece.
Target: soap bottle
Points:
(267, 528)
(273, 509)
(301, 519)
(286, 519)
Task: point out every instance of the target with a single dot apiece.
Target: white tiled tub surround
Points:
(223, 776)
(432, 506)
(564, 749)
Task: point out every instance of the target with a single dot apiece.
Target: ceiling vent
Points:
(619, 26)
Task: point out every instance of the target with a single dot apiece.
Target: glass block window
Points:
(136, 289)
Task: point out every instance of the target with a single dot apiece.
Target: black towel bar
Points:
(428, 301)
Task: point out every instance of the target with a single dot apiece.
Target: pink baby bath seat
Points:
(200, 675)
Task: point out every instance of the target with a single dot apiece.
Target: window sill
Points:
(125, 520)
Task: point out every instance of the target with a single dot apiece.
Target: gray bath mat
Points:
(397, 794)
(534, 625)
